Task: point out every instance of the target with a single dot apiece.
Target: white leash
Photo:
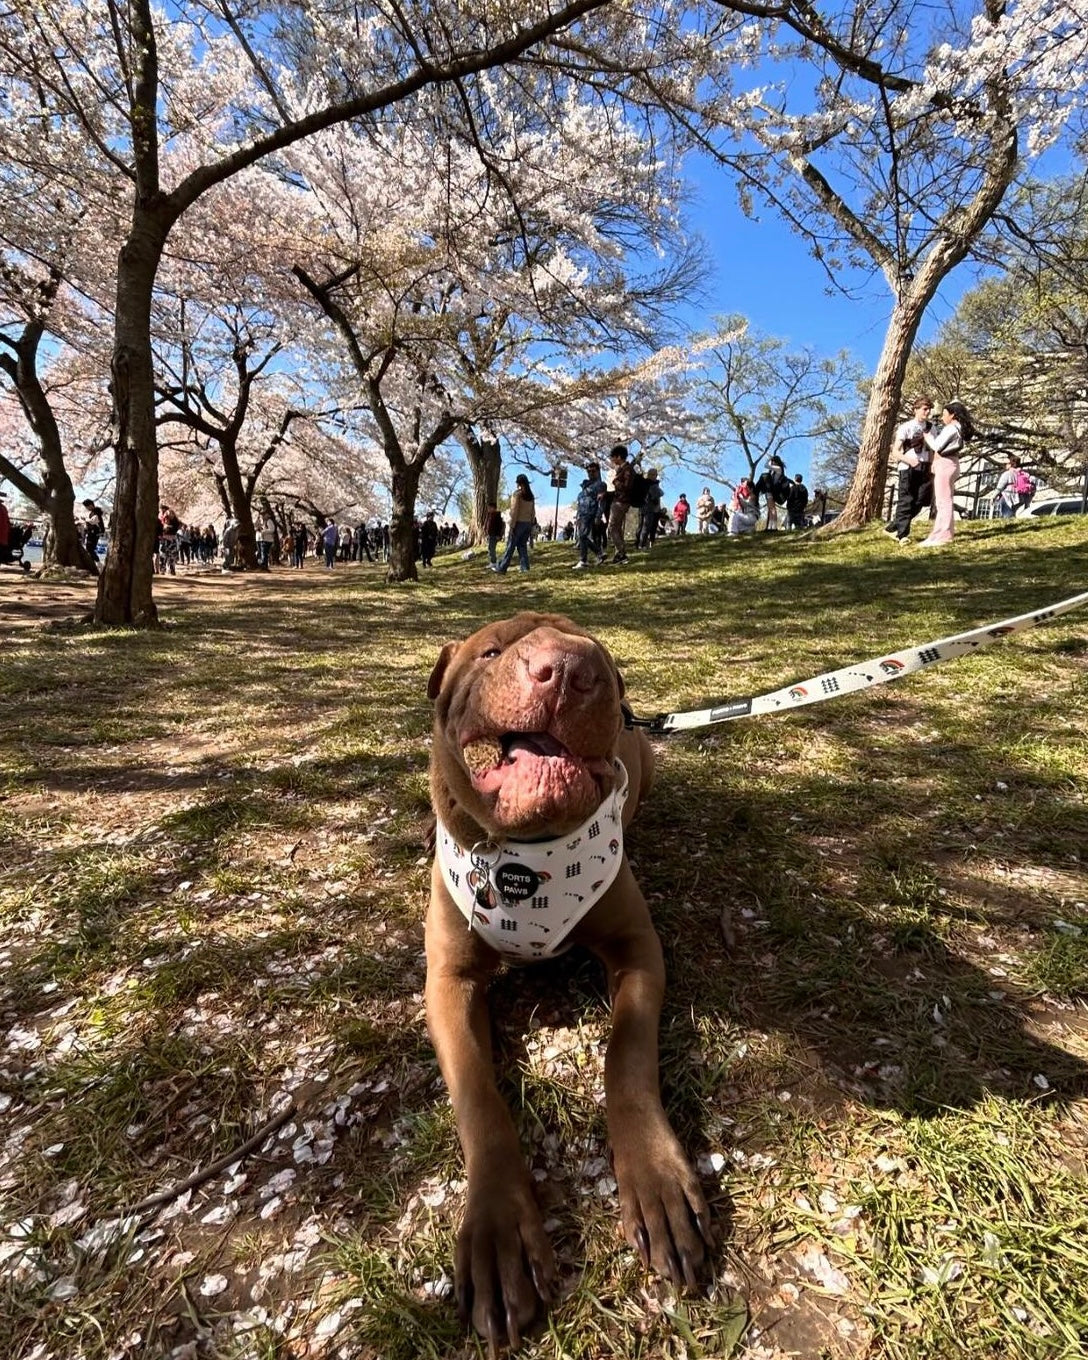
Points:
(861, 675)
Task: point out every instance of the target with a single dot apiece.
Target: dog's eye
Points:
(491, 651)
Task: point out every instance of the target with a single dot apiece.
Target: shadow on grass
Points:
(853, 965)
(855, 948)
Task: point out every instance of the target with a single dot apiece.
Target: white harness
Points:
(525, 897)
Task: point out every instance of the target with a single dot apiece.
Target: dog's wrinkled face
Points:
(527, 712)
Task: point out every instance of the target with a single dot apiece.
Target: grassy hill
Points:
(874, 911)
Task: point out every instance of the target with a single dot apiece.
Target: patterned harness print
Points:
(523, 898)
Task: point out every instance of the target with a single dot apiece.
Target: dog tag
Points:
(484, 895)
(515, 882)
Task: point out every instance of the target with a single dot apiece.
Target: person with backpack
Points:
(1015, 487)
(774, 485)
(94, 528)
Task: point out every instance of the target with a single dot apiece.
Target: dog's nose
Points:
(551, 667)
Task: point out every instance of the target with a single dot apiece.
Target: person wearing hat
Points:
(649, 513)
(587, 514)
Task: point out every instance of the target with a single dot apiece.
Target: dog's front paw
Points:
(504, 1265)
(665, 1217)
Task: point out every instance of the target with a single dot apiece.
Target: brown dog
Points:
(530, 765)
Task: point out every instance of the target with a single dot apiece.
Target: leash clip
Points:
(655, 725)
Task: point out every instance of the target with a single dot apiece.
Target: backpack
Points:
(1022, 483)
(638, 490)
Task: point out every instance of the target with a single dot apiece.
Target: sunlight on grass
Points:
(874, 914)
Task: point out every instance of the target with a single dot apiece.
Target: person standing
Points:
(330, 538)
(428, 539)
(796, 503)
(681, 512)
(623, 474)
(169, 525)
(302, 542)
(94, 528)
(956, 430)
(230, 543)
(649, 514)
(1014, 488)
(494, 528)
(704, 510)
(522, 516)
(915, 492)
(266, 542)
(587, 509)
(774, 485)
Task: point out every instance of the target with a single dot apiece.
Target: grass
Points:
(212, 885)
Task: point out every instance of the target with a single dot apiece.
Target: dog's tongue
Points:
(535, 743)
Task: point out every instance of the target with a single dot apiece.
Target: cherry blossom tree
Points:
(482, 293)
(175, 103)
(890, 140)
(60, 395)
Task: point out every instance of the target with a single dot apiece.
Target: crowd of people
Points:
(612, 504)
(623, 500)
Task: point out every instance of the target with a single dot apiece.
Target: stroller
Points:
(11, 552)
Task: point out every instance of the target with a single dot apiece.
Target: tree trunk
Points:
(402, 538)
(484, 458)
(865, 499)
(54, 496)
(124, 588)
(245, 549)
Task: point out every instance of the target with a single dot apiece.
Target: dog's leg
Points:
(665, 1217)
(504, 1265)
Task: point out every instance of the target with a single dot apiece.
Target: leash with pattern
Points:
(857, 676)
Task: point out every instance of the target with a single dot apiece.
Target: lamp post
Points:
(559, 481)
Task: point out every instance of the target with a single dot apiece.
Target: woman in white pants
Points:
(956, 429)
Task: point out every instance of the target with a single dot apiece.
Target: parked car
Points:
(1057, 505)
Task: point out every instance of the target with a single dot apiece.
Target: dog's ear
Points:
(434, 684)
(619, 678)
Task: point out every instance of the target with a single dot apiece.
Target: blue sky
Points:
(764, 271)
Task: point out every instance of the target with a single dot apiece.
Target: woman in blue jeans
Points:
(522, 515)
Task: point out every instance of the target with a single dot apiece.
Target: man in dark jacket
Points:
(623, 474)
(796, 503)
(428, 539)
